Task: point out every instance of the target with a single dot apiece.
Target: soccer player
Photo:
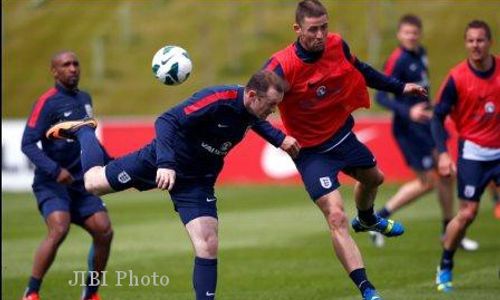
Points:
(326, 83)
(412, 130)
(186, 157)
(58, 183)
(471, 96)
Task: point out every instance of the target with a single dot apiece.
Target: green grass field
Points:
(273, 245)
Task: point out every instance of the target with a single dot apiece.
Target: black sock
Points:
(384, 213)
(447, 259)
(360, 279)
(91, 286)
(33, 285)
(205, 278)
(367, 217)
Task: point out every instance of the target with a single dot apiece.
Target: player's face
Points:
(477, 44)
(66, 70)
(264, 105)
(409, 36)
(312, 33)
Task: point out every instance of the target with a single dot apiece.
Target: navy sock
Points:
(90, 288)
(360, 279)
(447, 259)
(92, 154)
(33, 285)
(384, 213)
(205, 278)
(367, 216)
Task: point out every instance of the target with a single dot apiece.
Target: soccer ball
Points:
(171, 65)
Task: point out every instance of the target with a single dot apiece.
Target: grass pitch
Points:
(274, 245)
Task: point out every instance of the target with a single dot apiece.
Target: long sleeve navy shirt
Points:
(194, 137)
(406, 66)
(56, 105)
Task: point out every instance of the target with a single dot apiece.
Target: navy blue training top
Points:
(55, 105)
(194, 136)
(407, 66)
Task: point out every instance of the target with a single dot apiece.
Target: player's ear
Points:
(252, 94)
(296, 28)
(53, 70)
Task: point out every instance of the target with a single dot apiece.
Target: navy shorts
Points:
(417, 149)
(319, 169)
(52, 196)
(474, 176)
(193, 197)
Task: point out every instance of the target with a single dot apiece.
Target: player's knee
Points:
(95, 181)
(378, 179)
(467, 215)
(375, 180)
(337, 219)
(208, 247)
(58, 232)
(104, 237)
(90, 185)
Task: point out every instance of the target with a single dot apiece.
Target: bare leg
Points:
(99, 227)
(96, 181)
(457, 227)
(345, 248)
(58, 224)
(411, 191)
(366, 188)
(203, 232)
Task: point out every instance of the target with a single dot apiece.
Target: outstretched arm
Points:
(276, 137)
(446, 101)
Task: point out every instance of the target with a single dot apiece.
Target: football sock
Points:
(90, 288)
(367, 217)
(92, 154)
(360, 279)
(33, 285)
(384, 213)
(205, 278)
(447, 259)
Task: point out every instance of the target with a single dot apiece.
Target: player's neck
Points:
(482, 65)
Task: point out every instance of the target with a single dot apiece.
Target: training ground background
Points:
(274, 244)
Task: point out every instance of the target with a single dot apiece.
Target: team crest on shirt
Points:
(123, 177)
(325, 182)
(469, 191)
(321, 91)
(489, 107)
(88, 109)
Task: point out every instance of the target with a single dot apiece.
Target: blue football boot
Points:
(386, 227)
(443, 280)
(371, 294)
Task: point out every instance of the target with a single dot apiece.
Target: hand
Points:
(415, 90)
(165, 178)
(290, 146)
(446, 166)
(65, 177)
(420, 112)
